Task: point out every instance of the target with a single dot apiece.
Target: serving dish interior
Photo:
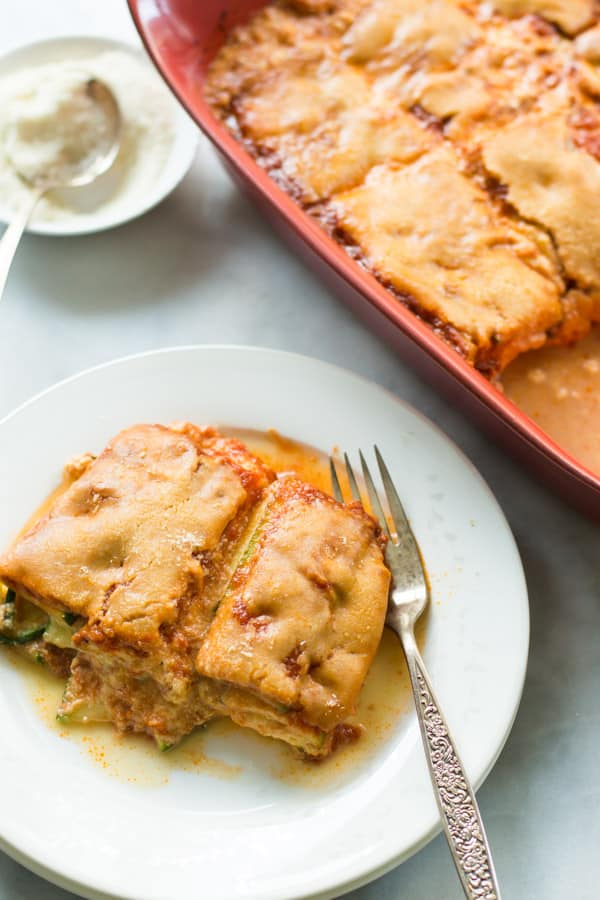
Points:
(183, 42)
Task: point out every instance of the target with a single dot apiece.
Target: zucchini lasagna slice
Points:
(174, 579)
(301, 620)
(128, 562)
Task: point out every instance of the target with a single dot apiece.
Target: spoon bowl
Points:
(74, 167)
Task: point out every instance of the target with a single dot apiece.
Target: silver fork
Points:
(409, 595)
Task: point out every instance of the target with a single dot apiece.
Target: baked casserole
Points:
(451, 146)
(176, 579)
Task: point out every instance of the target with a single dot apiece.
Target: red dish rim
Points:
(364, 283)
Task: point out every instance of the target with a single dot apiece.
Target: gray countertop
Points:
(204, 268)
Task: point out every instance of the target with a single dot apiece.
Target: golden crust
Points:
(394, 33)
(570, 15)
(471, 267)
(302, 619)
(322, 130)
(128, 541)
(346, 110)
(552, 181)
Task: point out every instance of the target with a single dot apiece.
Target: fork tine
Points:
(399, 517)
(373, 495)
(335, 481)
(352, 480)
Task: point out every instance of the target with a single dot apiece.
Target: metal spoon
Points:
(74, 173)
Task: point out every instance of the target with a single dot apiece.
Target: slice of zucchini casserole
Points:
(174, 579)
(301, 619)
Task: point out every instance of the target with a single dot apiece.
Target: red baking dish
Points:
(182, 37)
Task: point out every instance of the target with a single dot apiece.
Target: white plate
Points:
(179, 159)
(258, 837)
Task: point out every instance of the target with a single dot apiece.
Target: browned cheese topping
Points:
(295, 623)
(452, 146)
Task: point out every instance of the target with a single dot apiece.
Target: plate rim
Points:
(185, 130)
(53, 875)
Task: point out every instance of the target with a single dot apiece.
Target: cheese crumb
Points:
(538, 376)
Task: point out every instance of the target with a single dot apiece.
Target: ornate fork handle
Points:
(456, 801)
(408, 598)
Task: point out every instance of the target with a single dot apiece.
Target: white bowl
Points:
(178, 161)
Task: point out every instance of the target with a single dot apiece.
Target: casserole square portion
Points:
(128, 563)
(133, 535)
(485, 282)
(301, 620)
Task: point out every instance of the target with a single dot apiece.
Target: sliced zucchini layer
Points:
(76, 706)
(61, 628)
(20, 620)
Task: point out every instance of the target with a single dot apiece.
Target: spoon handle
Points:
(12, 236)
